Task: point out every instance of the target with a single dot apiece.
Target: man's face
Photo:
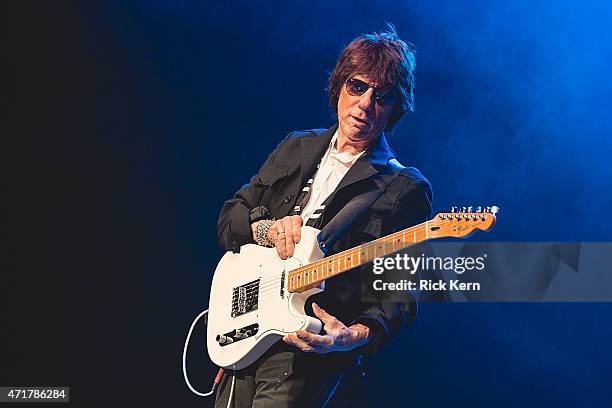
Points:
(361, 118)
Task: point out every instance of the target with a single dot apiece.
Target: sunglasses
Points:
(356, 87)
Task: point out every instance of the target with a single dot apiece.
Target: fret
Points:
(414, 232)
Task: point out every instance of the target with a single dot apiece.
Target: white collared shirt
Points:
(332, 168)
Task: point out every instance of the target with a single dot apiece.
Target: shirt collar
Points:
(344, 157)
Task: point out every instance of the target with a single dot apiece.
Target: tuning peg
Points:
(488, 209)
(479, 209)
(462, 209)
(453, 209)
(494, 209)
(469, 209)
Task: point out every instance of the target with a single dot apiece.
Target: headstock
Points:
(461, 222)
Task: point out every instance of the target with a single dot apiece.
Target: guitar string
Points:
(268, 285)
(380, 242)
(265, 286)
(322, 274)
(385, 241)
(312, 267)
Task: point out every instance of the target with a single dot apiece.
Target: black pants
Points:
(287, 377)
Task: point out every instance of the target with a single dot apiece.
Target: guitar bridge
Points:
(245, 298)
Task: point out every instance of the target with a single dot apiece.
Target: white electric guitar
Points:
(256, 298)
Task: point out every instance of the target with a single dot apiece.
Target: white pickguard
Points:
(276, 315)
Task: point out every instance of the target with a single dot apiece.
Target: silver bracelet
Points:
(261, 233)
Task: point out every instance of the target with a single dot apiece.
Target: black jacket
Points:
(405, 202)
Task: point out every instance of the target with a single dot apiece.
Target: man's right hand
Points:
(284, 234)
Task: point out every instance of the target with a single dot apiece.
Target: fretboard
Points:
(309, 275)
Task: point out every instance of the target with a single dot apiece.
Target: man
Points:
(309, 179)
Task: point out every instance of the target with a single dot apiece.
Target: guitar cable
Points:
(219, 375)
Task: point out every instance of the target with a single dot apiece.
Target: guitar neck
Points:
(310, 275)
(453, 224)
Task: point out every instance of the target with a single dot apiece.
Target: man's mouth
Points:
(362, 123)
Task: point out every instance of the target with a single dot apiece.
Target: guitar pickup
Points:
(237, 334)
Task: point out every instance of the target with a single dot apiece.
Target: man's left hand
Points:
(337, 336)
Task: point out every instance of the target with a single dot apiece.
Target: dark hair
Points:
(384, 58)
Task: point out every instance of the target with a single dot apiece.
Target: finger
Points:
(321, 313)
(294, 340)
(280, 243)
(290, 244)
(314, 340)
(296, 228)
(329, 320)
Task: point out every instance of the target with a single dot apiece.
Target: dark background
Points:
(129, 124)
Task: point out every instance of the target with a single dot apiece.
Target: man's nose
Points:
(367, 100)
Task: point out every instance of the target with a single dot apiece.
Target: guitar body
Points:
(250, 307)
